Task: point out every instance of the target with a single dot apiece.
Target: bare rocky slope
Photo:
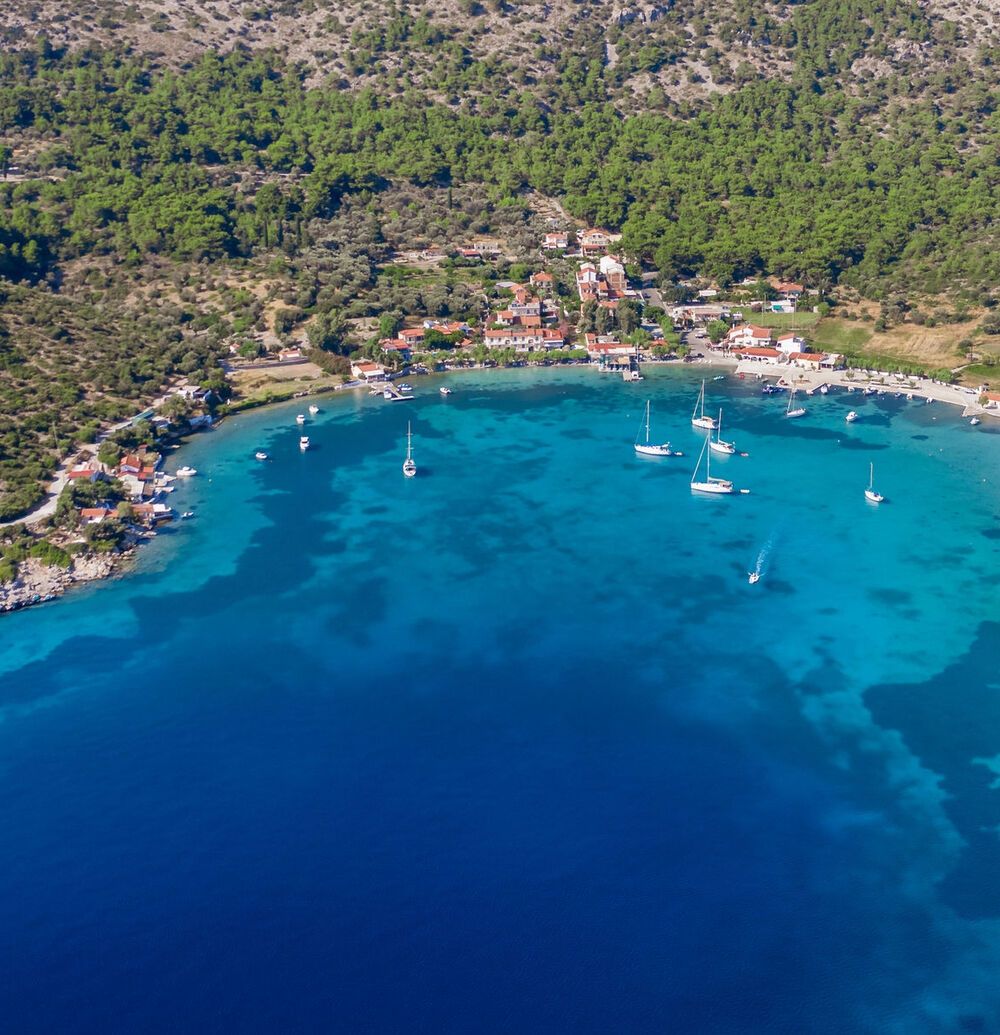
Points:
(663, 52)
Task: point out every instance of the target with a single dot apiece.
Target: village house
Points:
(806, 360)
(990, 400)
(396, 347)
(541, 281)
(788, 289)
(745, 334)
(606, 346)
(613, 272)
(446, 326)
(556, 241)
(412, 336)
(760, 354)
(292, 355)
(89, 471)
(789, 343)
(605, 282)
(95, 515)
(486, 248)
(689, 315)
(524, 339)
(367, 371)
(595, 240)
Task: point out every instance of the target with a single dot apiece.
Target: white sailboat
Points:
(794, 411)
(870, 494)
(716, 486)
(409, 467)
(648, 448)
(718, 444)
(698, 418)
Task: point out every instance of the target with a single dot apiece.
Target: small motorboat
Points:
(260, 455)
(314, 409)
(851, 417)
(300, 418)
(444, 390)
(404, 387)
(824, 389)
(975, 421)
(304, 443)
(719, 377)
(186, 472)
(754, 577)
(188, 514)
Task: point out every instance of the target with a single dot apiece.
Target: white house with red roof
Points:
(368, 371)
(523, 339)
(746, 335)
(760, 354)
(396, 347)
(557, 241)
(806, 360)
(596, 240)
(790, 343)
(605, 346)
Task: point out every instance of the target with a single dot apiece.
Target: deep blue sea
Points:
(513, 746)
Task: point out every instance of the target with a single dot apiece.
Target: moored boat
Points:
(648, 448)
(260, 455)
(304, 443)
(717, 444)
(186, 472)
(300, 418)
(409, 466)
(444, 390)
(698, 418)
(792, 410)
(314, 409)
(870, 494)
(714, 486)
(851, 417)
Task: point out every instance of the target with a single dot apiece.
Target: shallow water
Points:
(513, 745)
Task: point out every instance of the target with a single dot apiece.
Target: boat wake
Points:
(760, 566)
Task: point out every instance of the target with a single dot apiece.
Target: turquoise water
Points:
(514, 745)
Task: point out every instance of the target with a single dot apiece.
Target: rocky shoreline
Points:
(37, 583)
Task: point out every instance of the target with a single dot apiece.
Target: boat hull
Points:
(726, 448)
(873, 497)
(663, 450)
(796, 413)
(713, 488)
(706, 423)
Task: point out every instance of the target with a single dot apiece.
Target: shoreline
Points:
(43, 583)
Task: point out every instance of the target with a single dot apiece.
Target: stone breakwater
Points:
(37, 582)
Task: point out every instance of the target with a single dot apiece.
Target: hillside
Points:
(655, 55)
(176, 177)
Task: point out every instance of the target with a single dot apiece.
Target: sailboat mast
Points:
(409, 448)
(647, 422)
